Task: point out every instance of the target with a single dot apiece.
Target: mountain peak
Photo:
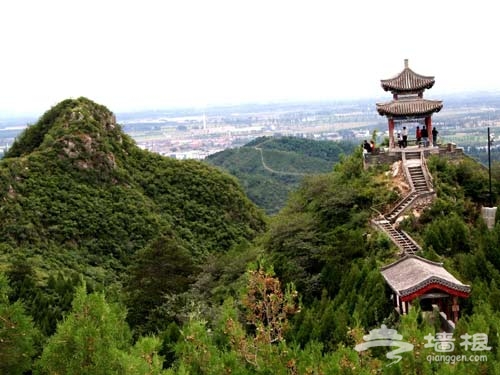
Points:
(72, 117)
(74, 181)
(77, 129)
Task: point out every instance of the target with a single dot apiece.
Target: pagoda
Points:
(407, 104)
(413, 277)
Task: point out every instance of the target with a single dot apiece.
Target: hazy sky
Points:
(160, 54)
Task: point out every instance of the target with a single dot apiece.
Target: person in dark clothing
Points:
(400, 140)
(434, 136)
(425, 136)
(367, 146)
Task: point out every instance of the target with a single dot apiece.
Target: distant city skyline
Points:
(132, 55)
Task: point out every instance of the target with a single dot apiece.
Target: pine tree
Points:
(16, 334)
(94, 339)
(163, 268)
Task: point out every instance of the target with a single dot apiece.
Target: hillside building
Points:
(408, 104)
(413, 278)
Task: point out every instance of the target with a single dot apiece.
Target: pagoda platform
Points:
(390, 155)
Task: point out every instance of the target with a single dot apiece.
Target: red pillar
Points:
(391, 133)
(428, 124)
(455, 309)
(439, 303)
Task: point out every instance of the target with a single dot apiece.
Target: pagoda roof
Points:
(407, 81)
(412, 276)
(413, 107)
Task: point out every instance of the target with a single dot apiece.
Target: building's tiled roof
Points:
(407, 81)
(412, 273)
(409, 107)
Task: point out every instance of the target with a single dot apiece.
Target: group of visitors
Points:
(403, 138)
(422, 137)
(368, 147)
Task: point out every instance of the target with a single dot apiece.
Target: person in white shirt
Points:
(400, 140)
(405, 136)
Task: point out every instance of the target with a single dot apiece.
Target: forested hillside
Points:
(269, 168)
(79, 198)
(119, 261)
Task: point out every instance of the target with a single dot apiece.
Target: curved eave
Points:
(407, 81)
(413, 276)
(432, 283)
(409, 108)
(458, 290)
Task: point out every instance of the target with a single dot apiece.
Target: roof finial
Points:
(406, 63)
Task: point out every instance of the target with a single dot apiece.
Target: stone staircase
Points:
(414, 166)
(400, 238)
(416, 173)
(412, 155)
(417, 177)
(401, 207)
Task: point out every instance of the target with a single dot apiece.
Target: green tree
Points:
(448, 235)
(143, 358)
(95, 339)
(16, 334)
(163, 268)
(231, 348)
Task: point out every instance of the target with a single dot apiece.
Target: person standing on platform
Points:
(400, 140)
(434, 136)
(418, 135)
(405, 137)
(425, 136)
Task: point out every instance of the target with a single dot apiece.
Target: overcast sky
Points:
(150, 54)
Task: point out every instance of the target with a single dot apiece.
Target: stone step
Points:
(412, 155)
(392, 215)
(418, 180)
(417, 175)
(398, 237)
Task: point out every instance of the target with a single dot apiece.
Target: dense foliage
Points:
(270, 168)
(115, 260)
(79, 197)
